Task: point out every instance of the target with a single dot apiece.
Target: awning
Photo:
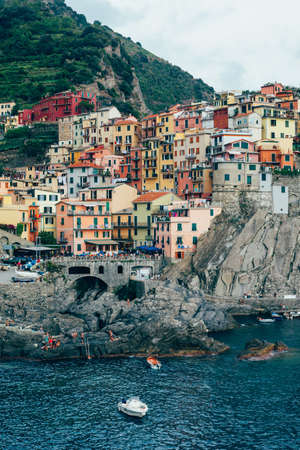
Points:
(101, 242)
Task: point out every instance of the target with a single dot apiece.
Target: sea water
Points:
(194, 403)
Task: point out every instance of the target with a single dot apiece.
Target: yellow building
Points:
(13, 212)
(144, 209)
(58, 154)
(10, 123)
(226, 98)
(122, 232)
(127, 135)
(277, 123)
(6, 108)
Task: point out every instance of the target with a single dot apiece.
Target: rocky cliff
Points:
(170, 320)
(258, 255)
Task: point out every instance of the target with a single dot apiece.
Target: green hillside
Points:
(45, 47)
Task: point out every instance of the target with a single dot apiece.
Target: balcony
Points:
(135, 158)
(63, 241)
(123, 225)
(191, 157)
(88, 213)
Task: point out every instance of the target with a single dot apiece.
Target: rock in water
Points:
(257, 350)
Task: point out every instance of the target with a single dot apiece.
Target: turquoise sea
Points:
(211, 403)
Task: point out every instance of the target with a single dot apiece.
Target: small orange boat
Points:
(153, 362)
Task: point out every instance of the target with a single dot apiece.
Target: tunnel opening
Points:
(89, 287)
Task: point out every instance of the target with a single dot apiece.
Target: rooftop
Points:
(149, 197)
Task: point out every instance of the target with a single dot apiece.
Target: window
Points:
(101, 269)
(62, 208)
(286, 157)
(148, 206)
(252, 167)
(120, 269)
(179, 227)
(79, 247)
(263, 177)
(71, 190)
(194, 227)
(240, 166)
(96, 234)
(135, 207)
(273, 135)
(195, 239)
(282, 135)
(226, 177)
(62, 221)
(211, 212)
(245, 145)
(287, 124)
(249, 179)
(283, 189)
(71, 180)
(273, 157)
(273, 123)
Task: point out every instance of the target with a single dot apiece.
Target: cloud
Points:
(229, 43)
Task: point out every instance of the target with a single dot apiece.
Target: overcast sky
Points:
(230, 44)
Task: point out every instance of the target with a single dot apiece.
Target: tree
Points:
(85, 106)
(47, 238)
(19, 229)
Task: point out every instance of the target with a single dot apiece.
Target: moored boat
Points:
(153, 362)
(23, 279)
(26, 274)
(261, 320)
(276, 316)
(133, 407)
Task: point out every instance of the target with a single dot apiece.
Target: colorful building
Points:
(63, 104)
(123, 228)
(272, 155)
(180, 225)
(144, 209)
(84, 227)
(127, 135)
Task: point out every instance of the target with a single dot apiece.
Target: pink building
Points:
(180, 226)
(185, 120)
(240, 149)
(271, 88)
(105, 158)
(84, 226)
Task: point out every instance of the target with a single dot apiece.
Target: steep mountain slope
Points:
(46, 47)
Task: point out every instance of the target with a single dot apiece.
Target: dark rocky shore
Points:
(169, 320)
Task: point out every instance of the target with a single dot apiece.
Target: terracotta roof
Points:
(83, 164)
(149, 197)
(129, 121)
(151, 116)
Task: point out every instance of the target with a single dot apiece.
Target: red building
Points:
(221, 118)
(271, 88)
(131, 168)
(34, 220)
(50, 109)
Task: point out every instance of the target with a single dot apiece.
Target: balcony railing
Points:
(88, 213)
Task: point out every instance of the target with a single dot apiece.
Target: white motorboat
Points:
(265, 320)
(133, 407)
(26, 274)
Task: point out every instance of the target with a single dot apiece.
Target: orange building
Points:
(84, 226)
(34, 221)
(271, 155)
(271, 88)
